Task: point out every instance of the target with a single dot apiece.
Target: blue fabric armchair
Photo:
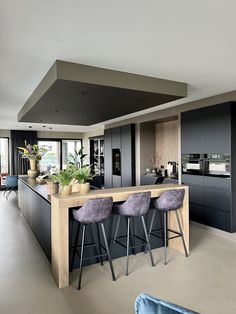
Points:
(11, 185)
(145, 304)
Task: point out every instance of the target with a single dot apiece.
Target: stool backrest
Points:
(170, 200)
(11, 182)
(94, 210)
(137, 204)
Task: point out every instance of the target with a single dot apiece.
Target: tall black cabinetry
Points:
(119, 156)
(211, 130)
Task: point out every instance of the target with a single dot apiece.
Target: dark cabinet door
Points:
(217, 126)
(107, 159)
(127, 155)
(196, 200)
(217, 200)
(192, 132)
(217, 193)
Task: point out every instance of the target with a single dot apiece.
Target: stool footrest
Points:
(131, 236)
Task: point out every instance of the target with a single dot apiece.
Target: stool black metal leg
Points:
(99, 244)
(134, 252)
(108, 252)
(127, 247)
(147, 239)
(152, 221)
(131, 238)
(181, 232)
(81, 257)
(165, 234)
(75, 244)
(117, 228)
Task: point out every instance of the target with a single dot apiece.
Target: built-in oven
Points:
(193, 163)
(217, 164)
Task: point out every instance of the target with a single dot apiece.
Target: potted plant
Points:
(77, 158)
(34, 153)
(64, 178)
(83, 176)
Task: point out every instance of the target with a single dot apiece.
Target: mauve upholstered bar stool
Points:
(94, 211)
(136, 205)
(171, 200)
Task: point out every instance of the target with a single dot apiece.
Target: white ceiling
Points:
(184, 40)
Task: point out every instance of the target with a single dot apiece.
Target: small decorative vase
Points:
(66, 190)
(33, 172)
(84, 187)
(53, 188)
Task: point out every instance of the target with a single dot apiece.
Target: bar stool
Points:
(94, 211)
(171, 200)
(136, 205)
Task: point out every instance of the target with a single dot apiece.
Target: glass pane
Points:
(69, 147)
(52, 158)
(4, 159)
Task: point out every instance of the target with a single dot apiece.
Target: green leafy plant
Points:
(83, 174)
(77, 158)
(64, 177)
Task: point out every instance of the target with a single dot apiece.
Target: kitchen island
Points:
(49, 219)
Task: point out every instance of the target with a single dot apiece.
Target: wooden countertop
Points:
(118, 194)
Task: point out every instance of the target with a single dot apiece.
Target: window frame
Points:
(9, 165)
(60, 140)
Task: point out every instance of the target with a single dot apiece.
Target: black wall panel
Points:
(122, 138)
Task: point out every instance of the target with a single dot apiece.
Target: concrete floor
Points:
(204, 282)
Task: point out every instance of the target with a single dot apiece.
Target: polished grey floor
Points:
(205, 282)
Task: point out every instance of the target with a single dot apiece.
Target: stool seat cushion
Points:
(145, 304)
(136, 205)
(170, 200)
(94, 210)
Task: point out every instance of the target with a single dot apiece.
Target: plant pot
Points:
(75, 187)
(66, 190)
(33, 172)
(84, 187)
(53, 188)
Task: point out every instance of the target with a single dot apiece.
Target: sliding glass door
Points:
(69, 147)
(52, 159)
(57, 156)
(4, 159)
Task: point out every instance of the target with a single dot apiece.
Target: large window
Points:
(4, 159)
(52, 159)
(57, 156)
(69, 147)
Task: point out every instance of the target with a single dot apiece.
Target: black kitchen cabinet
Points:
(211, 130)
(196, 197)
(206, 130)
(217, 126)
(119, 145)
(192, 133)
